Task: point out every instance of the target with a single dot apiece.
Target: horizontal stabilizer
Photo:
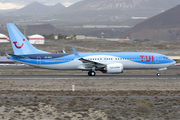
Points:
(15, 55)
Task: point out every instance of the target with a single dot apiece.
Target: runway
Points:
(85, 76)
(30, 67)
(88, 77)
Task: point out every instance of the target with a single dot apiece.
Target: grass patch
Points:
(144, 106)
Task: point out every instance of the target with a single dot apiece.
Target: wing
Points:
(88, 64)
(92, 64)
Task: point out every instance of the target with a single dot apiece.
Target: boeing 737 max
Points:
(113, 63)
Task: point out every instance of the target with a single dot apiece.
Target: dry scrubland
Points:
(94, 98)
(164, 47)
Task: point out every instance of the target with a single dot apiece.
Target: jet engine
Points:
(115, 68)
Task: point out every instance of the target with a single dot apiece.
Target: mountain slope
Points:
(38, 8)
(165, 26)
(104, 10)
(123, 4)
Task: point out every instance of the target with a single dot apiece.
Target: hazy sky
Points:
(5, 6)
(17, 4)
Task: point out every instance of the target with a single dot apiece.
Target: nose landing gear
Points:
(158, 74)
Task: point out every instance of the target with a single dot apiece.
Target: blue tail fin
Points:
(20, 44)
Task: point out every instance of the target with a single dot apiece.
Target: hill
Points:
(123, 4)
(107, 10)
(38, 8)
(165, 26)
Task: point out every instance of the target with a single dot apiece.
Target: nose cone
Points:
(173, 62)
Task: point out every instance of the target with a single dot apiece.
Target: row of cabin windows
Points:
(97, 59)
(115, 58)
(59, 59)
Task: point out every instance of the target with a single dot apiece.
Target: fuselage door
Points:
(157, 59)
(38, 60)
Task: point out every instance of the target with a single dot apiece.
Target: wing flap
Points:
(90, 64)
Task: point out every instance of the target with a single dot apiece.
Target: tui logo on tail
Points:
(18, 47)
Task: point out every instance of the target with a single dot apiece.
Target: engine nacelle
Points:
(115, 68)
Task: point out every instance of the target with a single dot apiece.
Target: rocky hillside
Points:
(38, 8)
(165, 26)
(123, 4)
(105, 10)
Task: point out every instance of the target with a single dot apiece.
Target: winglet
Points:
(76, 54)
(64, 51)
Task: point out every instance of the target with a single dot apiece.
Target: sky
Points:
(6, 6)
(9, 5)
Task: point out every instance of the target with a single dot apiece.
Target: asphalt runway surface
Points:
(86, 76)
(30, 67)
(79, 76)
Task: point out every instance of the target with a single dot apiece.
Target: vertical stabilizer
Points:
(20, 44)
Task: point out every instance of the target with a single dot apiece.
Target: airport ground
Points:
(168, 48)
(34, 94)
(28, 93)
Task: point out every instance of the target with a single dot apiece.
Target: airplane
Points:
(110, 63)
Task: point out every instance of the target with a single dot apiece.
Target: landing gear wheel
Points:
(92, 73)
(89, 73)
(158, 74)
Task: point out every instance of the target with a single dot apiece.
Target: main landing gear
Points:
(92, 73)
